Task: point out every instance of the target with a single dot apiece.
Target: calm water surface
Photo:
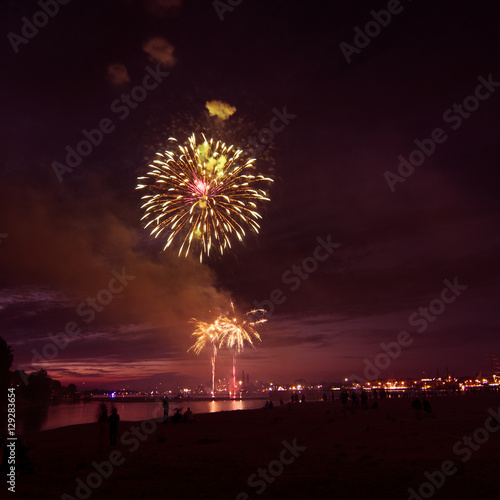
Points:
(51, 417)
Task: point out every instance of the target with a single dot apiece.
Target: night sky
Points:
(350, 114)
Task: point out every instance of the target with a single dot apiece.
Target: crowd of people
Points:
(108, 423)
(178, 416)
(355, 400)
(418, 405)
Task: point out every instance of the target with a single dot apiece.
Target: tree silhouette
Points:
(6, 356)
(6, 359)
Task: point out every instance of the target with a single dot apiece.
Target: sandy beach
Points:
(311, 450)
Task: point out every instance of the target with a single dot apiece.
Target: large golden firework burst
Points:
(203, 194)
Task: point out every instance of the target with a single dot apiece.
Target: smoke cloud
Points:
(160, 50)
(117, 74)
(220, 109)
(60, 252)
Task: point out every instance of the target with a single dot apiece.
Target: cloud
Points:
(221, 109)
(63, 251)
(160, 50)
(117, 74)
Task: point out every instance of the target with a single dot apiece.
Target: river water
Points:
(43, 417)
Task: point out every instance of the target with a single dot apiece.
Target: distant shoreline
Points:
(156, 399)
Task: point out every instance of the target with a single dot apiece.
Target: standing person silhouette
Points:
(165, 406)
(113, 420)
(354, 401)
(364, 400)
(427, 406)
(417, 405)
(102, 419)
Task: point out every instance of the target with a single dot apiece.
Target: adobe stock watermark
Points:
(420, 320)
(222, 7)
(266, 135)
(121, 107)
(29, 29)
(454, 116)
(464, 449)
(267, 475)
(131, 439)
(298, 273)
(372, 29)
(86, 310)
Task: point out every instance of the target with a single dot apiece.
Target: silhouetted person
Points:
(165, 406)
(354, 401)
(332, 395)
(416, 405)
(344, 397)
(113, 420)
(325, 397)
(102, 419)
(177, 416)
(266, 406)
(281, 402)
(375, 394)
(364, 400)
(188, 416)
(303, 398)
(427, 406)
(271, 406)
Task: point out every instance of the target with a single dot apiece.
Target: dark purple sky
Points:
(352, 120)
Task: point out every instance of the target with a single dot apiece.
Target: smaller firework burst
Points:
(234, 333)
(208, 335)
(228, 332)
